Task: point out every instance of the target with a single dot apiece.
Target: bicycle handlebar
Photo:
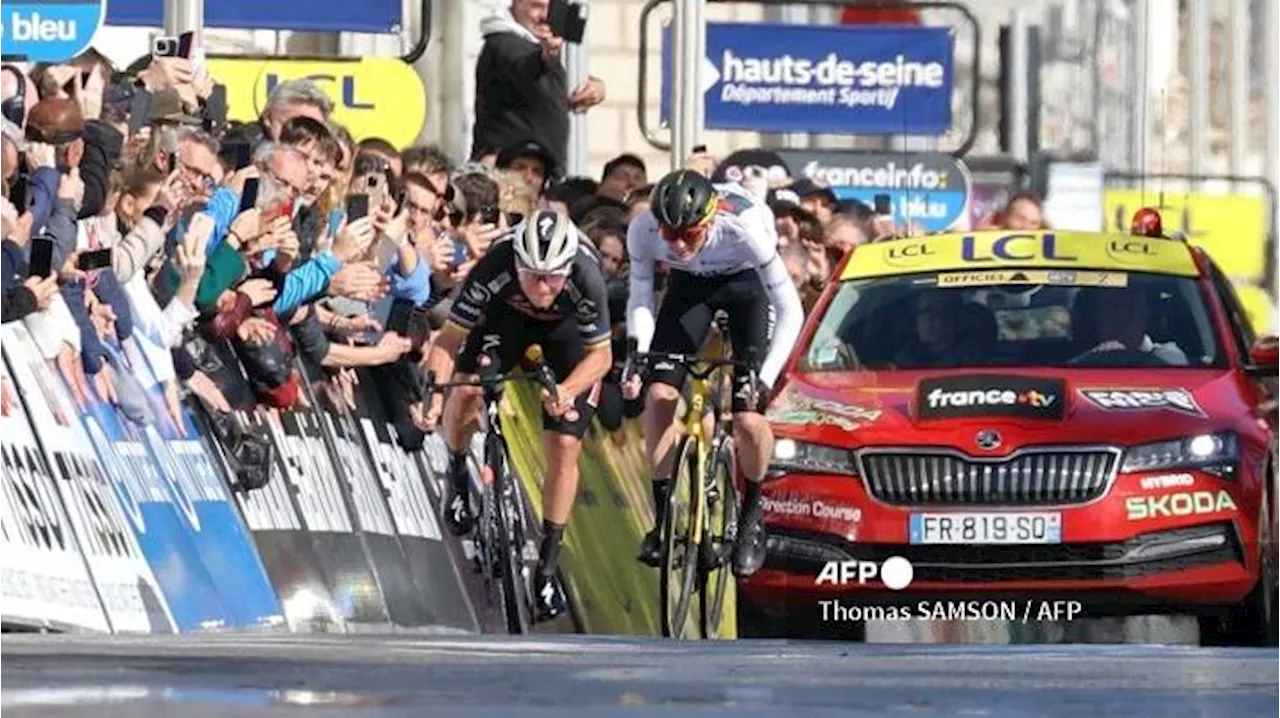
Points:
(542, 374)
(636, 360)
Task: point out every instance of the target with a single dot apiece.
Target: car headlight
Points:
(1213, 453)
(792, 455)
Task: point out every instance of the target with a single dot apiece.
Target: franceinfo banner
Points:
(929, 190)
(833, 80)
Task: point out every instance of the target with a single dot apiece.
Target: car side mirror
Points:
(1264, 357)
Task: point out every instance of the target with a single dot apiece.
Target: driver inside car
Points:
(1117, 319)
(939, 338)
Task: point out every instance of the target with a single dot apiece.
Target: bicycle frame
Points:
(502, 507)
(698, 545)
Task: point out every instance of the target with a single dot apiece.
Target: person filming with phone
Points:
(522, 91)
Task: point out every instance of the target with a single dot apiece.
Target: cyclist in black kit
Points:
(539, 285)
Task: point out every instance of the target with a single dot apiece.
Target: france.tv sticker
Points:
(49, 30)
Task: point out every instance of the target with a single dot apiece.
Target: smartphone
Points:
(357, 206)
(386, 254)
(185, 42)
(173, 162)
(41, 257)
(567, 20)
(459, 253)
(26, 199)
(883, 204)
(249, 198)
(400, 319)
(700, 149)
(98, 259)
(419, 327)
(214, 110)
(489, 215)
(164, 47)
(140, 110)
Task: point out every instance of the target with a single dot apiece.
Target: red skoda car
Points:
(1057, 415)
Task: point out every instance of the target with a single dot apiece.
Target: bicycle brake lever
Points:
(547, 379)
(542, 372)
(629, 364)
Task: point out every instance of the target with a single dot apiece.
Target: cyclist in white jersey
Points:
(721, 247)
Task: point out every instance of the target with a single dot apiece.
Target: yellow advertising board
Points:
(1258, 306)
(989, 250)
(1232, 228)
(372, 96)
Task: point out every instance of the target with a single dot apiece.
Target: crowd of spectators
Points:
(235, 259)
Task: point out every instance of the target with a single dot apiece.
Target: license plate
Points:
(1016, 528)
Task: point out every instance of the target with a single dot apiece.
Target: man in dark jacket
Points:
(521, 88)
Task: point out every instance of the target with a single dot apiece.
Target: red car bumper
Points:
(1190, 549)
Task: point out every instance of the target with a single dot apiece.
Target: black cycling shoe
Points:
(458, 517)
(751, 546)
(548, 598)
(651, 548)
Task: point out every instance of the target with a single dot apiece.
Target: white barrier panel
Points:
(45, 582)
(126, 585)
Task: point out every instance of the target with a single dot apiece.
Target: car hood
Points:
(1025, 406)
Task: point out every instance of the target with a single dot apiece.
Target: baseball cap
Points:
(621, 160)
(167, 106)
(807, 187)
(784, 202)
(527, 148)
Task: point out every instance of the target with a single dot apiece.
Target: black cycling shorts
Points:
(510, 333)
(685, 318)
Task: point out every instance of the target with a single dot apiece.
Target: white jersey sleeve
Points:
(642, 255)
(761, 236)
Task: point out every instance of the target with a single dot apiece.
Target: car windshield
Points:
(1020, 318)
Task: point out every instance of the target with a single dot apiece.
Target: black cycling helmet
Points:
(683, 199)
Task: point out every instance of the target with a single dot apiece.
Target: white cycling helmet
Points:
(546, 242)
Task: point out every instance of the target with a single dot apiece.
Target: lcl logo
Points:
(1130, 248)
(909, 253)
(346, 82)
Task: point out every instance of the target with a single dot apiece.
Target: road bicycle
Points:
(700, 524)
(502, 531)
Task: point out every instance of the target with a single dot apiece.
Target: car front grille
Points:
(942, 477)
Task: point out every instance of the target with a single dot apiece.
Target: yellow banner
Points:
(372, 97)
(1231, 228)
(1257, 306)
(980, 251)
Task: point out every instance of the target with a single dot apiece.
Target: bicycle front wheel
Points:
(717, 540)
(679, 568)
(516, 601)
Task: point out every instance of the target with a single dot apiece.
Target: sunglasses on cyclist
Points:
(547, 277)
(686, 234)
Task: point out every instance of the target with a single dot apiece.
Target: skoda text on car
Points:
(1060, 415)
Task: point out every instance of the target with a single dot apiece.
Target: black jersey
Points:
(492, 284)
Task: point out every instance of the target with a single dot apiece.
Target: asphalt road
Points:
(483, 677)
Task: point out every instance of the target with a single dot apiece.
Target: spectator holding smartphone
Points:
(522, 90)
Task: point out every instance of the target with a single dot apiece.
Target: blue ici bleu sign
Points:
(49, 30)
